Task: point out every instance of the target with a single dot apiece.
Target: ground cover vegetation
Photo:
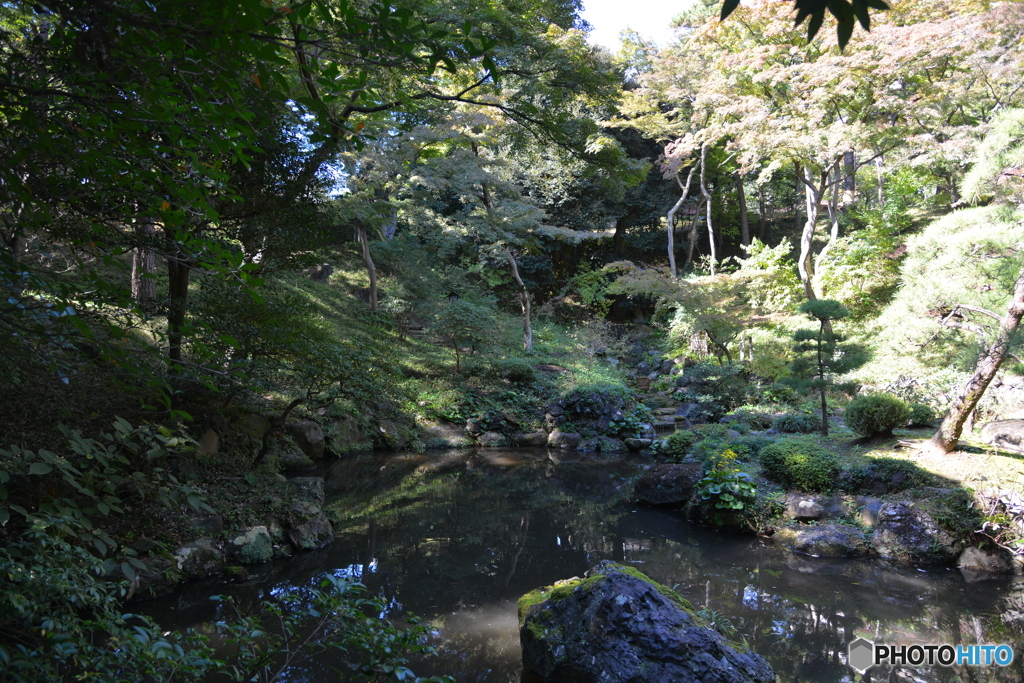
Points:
(238, 235)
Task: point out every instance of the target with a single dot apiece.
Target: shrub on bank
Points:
(800, 465)
(921, 415)
(797, 423)
(872, 414)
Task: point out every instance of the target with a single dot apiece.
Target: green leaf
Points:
(128, 571)
(39, 469)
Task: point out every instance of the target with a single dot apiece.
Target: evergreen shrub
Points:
(800, 465)
(797, 423)
(921, 415)
(678, 444)
(872, 414)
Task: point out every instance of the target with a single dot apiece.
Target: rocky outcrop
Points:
(618, 626)
(607, 444)
(908, 535)
(823, 540)
(309, 489)
(1007, 435)
(667, 484)
(492, 440)
(638, 444)
(308, 436)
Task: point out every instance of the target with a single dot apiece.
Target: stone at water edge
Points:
(199, 559)
(909, 535)
(618, 626)
(667, 484)
(823, 540)
(565, 440)
(308, 436)
(253, 546)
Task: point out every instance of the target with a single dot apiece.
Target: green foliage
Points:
(800, 465)
(998, 160)
(726, 487)
(677, 445)
(921, 415)
(632, 423)
(876, 414)
(515, 370)
(885, 469)
(797, 423)
(716, 389)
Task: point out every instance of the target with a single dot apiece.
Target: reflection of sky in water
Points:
(462, 555)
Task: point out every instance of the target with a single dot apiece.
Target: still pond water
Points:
(456, 539)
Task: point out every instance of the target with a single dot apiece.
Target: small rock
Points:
(492, 440)
(980, 565)
(295, 461)
(533, 439)
(236, 573)
(554, 410)
(589, 445)
(564, 440)
(869, 509)
(607, 444)
(638, 444)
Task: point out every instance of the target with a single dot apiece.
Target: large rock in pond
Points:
(307, 527)
(908, 535)
(618, 626)
(667, 484)
(199, 559)
(823, 540)
(1007, 435)
(253, 546)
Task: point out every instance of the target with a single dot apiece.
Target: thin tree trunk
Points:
(371, 269)
(760, 214)
(833, 233)
(741, 197)
(945, 439)
(849, 179)
(178, 271)
(693, 236)
(524, 300)
(799, 203)
(144, 265)
(707, 198)
(672, 219)
(878, 173)
(812, 194)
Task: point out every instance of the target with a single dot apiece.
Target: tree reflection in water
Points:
(458, 539)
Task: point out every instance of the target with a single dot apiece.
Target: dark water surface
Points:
(457, 539)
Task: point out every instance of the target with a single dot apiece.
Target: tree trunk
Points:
(945, 439)
(371, 269)
(693, 236)
(833, 234)
(805, 265)
(741, 197)
(707, 198)
(144, 266)
(672, 220)
(524, 300)
(178, 271)
(849, 179)
(878, 173)
(760, 214)
(799, 203)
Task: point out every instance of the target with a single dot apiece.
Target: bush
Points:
(800, 465)
(752, 445)
(872, 414)
(797, 423)
(678, 444)
(515, 370)
(921, 415)
(754, 420)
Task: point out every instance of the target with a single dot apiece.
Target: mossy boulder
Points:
(823, 540)
(906, 534)
(616, 625)
(253, 546)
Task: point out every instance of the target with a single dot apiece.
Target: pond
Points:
(456, 539)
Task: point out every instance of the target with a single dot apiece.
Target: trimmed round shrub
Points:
(871, 414)
(677, 445)
(921, 415)
(800, 465)
(797, 423)
(515, 370)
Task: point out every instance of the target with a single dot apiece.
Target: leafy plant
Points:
(801, 465)
(726, 487)
(872, 414)
(677, 445)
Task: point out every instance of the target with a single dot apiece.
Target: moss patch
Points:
(675, 597)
